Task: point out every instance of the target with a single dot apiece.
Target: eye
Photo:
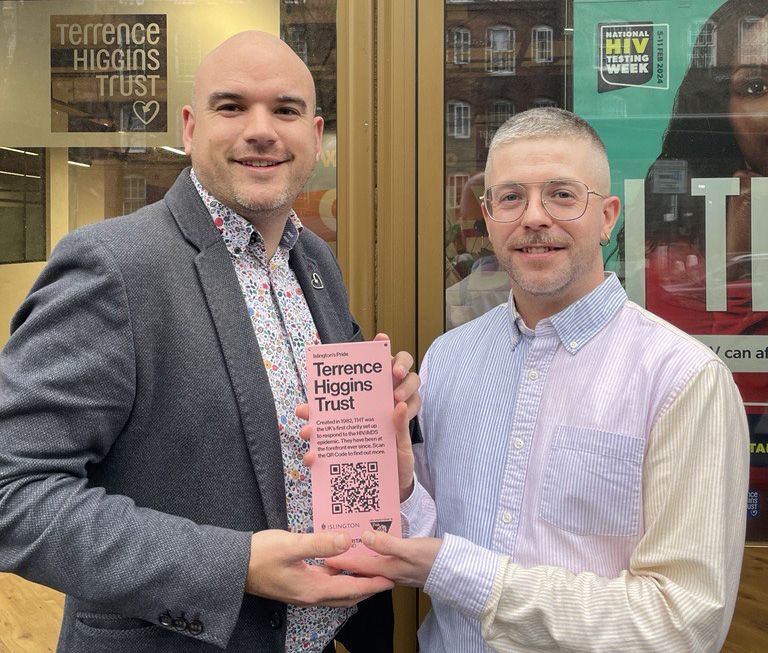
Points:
(228, 108)
(510, 197)
(758, 87)
(563, 195)
(288, 111)
(752, 88)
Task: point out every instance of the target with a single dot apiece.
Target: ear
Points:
(187, 127)
(318, 126)
(611, 210)
(486, 217)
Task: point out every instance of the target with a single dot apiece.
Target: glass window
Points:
(134, 193)
(296, 37)
(473, 281)
(703, 44)
(102, 157)
(542, 44)
(22, 204)
(500, 50)
(455, 186)
(498, 112)
(461, 40)
(758, 36)
(459, 121)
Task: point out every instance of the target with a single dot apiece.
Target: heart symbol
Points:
(146, 111)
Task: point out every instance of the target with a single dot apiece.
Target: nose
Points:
(535, 216)
(259, 126)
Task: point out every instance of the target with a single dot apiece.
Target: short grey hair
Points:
(551, 122)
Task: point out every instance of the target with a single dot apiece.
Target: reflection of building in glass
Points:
(134, 193)
(309, 27)
(22, 203)
(501, 57)
(500, 50)
(703, 38)
(461, 39)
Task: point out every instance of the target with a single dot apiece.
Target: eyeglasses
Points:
(562, 199)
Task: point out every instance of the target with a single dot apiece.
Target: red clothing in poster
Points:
(675, 290)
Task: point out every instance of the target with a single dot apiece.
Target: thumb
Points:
(320, 545)
(381, 542)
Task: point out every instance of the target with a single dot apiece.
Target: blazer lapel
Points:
(317, 294)
(250, 382)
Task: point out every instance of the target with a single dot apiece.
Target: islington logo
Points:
(633, 54)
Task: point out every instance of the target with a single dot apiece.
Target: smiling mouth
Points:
(539, 249)
(260, 164)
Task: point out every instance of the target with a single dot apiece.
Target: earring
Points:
(605, 242)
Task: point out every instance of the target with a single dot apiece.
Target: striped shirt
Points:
(589, 481)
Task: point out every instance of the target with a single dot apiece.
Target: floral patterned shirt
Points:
(283, 325)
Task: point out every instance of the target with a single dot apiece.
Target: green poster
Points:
(678, 90)
(628, 60)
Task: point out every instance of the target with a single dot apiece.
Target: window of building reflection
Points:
(704, 46)
(22, 205)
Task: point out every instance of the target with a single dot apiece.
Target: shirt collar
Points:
(237, 232)
(578, 323)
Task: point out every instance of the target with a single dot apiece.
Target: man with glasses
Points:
(582, 481)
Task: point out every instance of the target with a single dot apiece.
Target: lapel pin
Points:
(317, 282)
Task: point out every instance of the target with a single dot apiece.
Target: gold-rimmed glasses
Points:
(562, 199)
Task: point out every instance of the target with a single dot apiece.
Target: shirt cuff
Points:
(462, 576)
(417, 513)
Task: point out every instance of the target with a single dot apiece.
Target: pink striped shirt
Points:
(589, 481)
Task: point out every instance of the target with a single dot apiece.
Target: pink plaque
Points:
(354, 479)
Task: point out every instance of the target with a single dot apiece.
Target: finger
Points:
(306, 432)
(402, 364)
(380, 337)
(318, 545)
(400, 419)
(364, 566)
(354, 599)
(340, 590)
(344, 586)
(382, 543)
(414, 405)
(302, 411)
(309, 458)
(407, 387)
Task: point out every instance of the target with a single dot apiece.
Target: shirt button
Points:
(519, 443)
(275, 620)
(506, 518)
(533, 375)
(573, 344)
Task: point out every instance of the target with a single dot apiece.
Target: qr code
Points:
(354, 487)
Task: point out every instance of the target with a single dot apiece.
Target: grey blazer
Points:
(138, 436)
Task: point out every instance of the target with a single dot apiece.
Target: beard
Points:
(279, 202)
(546, 282)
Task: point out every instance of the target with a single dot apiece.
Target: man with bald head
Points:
(582, 482)
(150, 462)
